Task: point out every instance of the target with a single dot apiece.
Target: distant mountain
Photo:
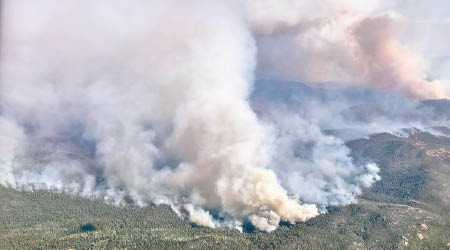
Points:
(420, 111)
(345, 107)
(440, 107)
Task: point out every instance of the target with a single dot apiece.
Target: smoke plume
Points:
(149, 102)
(347, 41)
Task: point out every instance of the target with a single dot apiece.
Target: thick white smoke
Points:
(11, 137)
(146, 95)
(315, 166)
(148, 101)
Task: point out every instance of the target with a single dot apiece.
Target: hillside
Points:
(408, 209)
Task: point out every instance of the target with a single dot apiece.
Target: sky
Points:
(428, 32)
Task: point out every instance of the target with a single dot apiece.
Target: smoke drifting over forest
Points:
(151, 102)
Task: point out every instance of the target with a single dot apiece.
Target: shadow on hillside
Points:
(87, 228)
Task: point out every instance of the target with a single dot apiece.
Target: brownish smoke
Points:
(387, 64)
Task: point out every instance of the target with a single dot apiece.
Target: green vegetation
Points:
(408, 209)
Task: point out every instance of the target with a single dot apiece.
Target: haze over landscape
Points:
(241, 116)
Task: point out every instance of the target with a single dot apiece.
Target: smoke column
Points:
(347, 41)
(148, 101)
